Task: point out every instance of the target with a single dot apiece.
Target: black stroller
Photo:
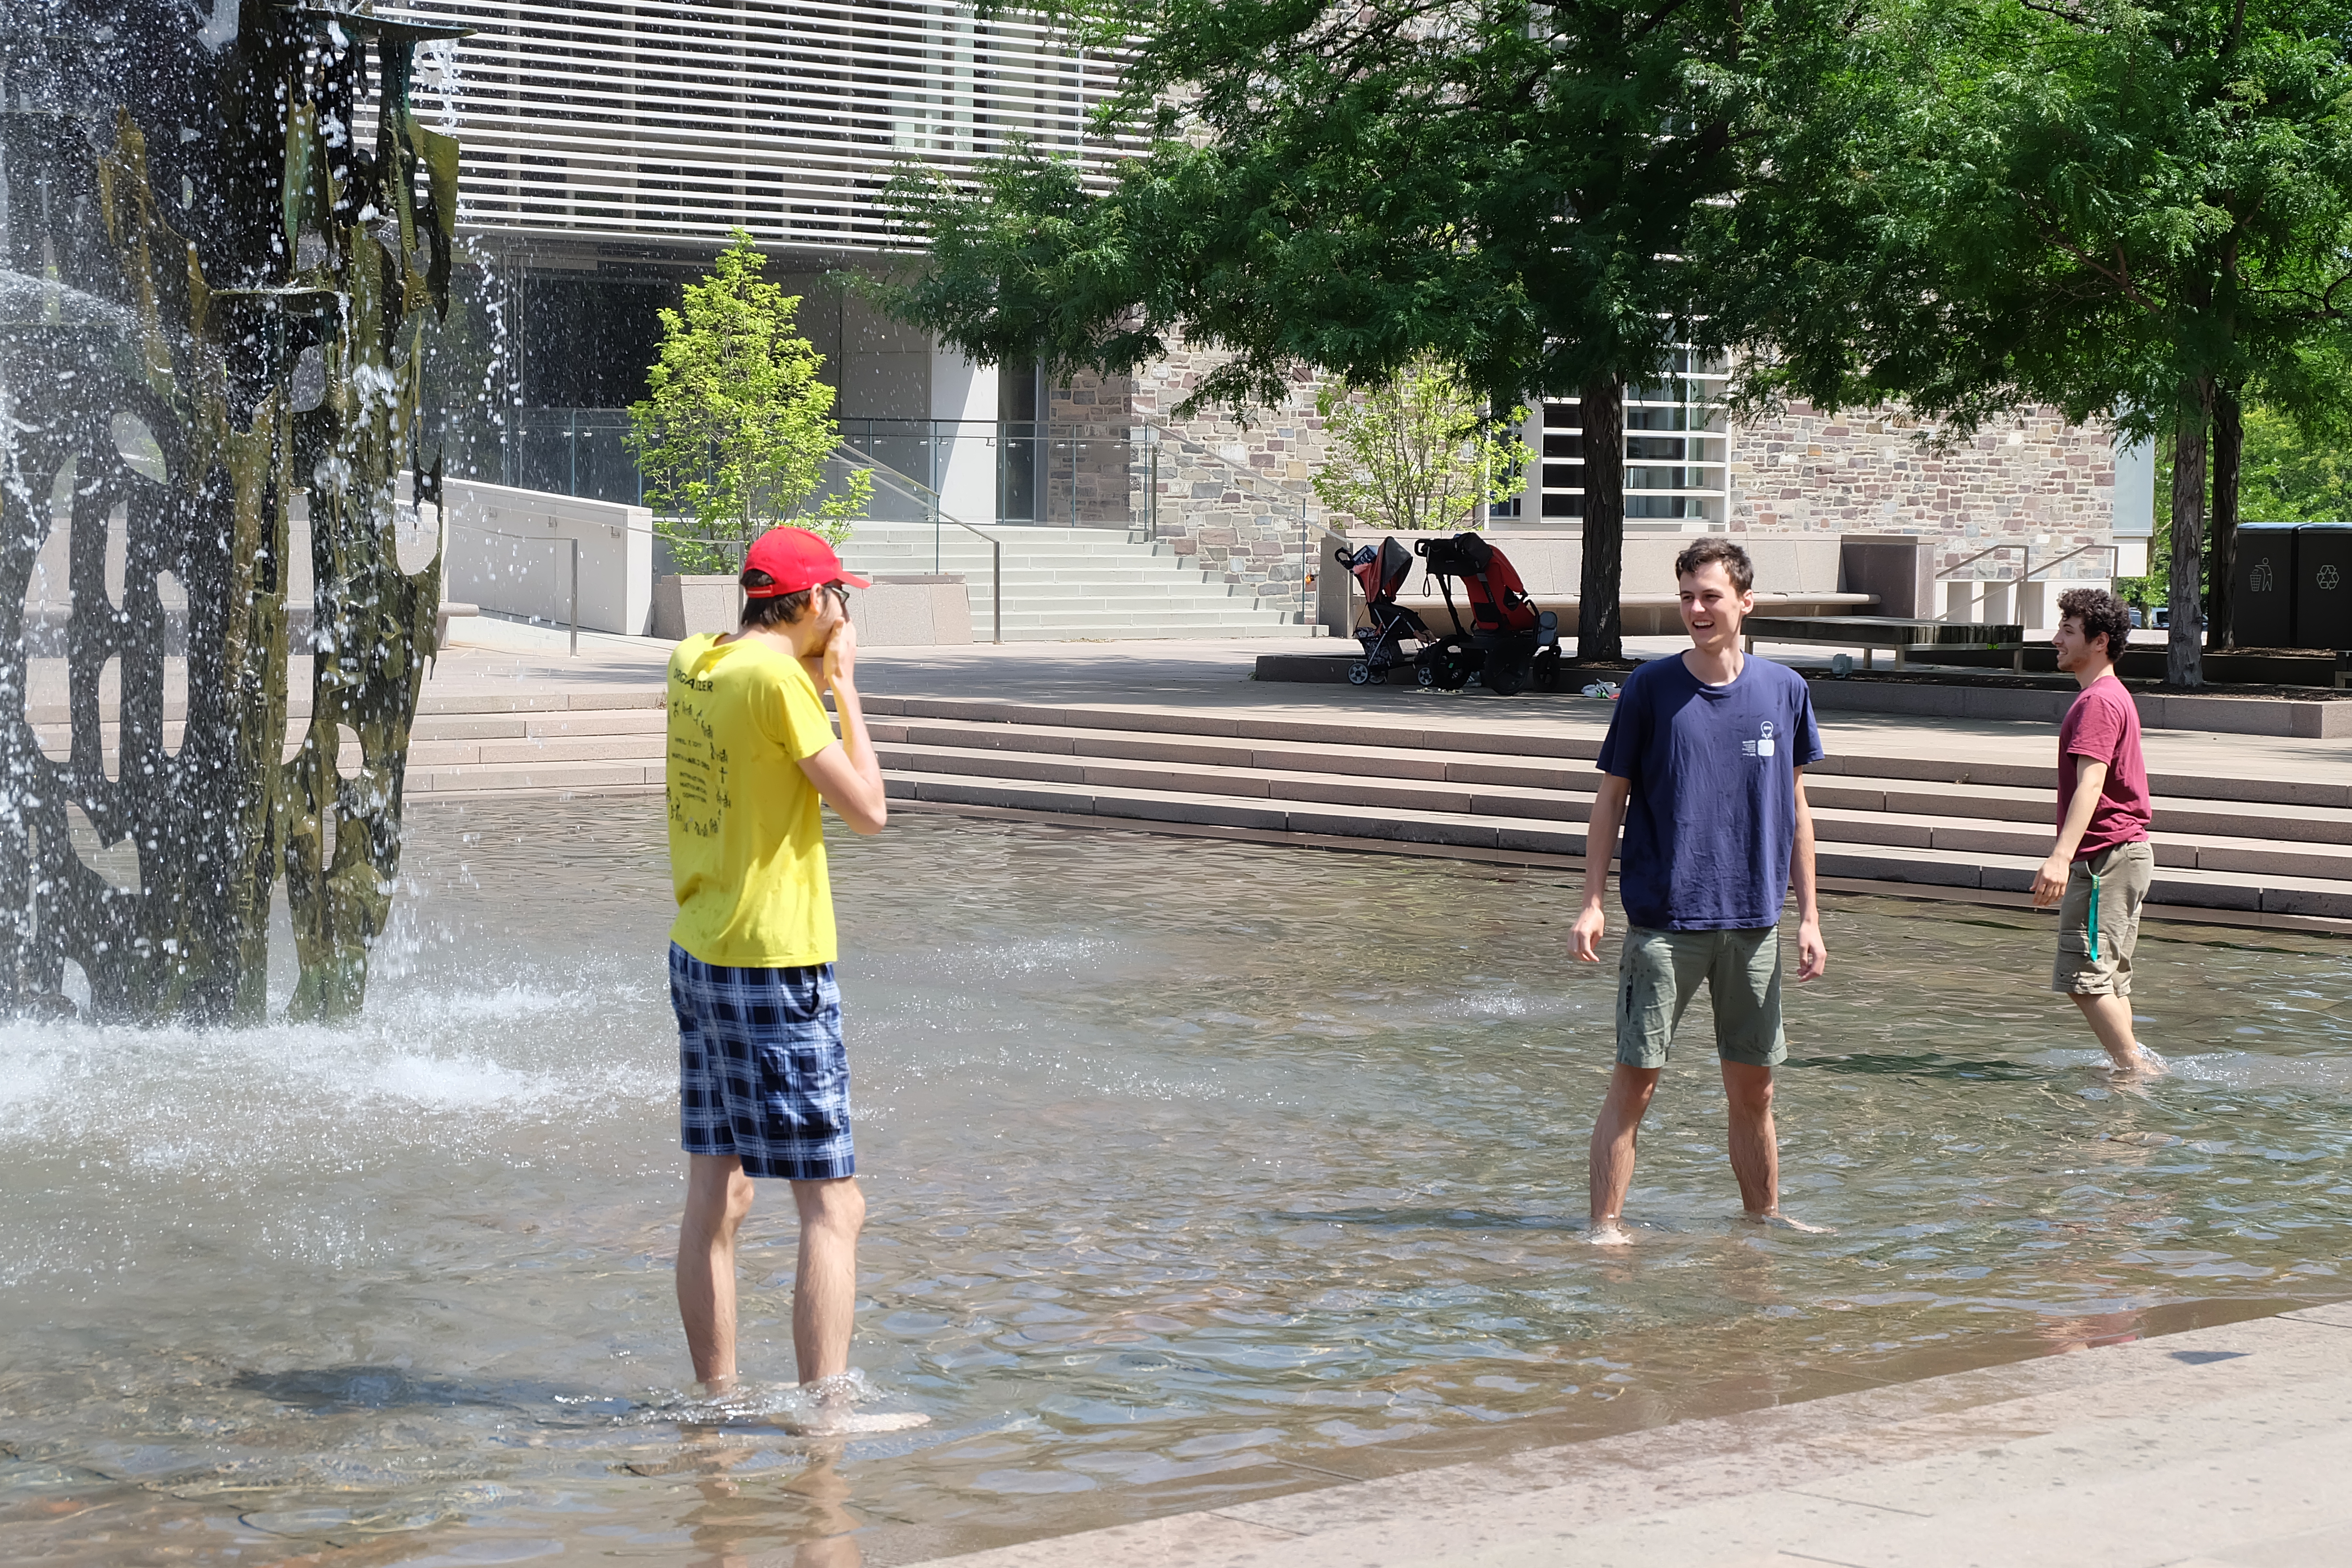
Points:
(1509, 643)
(1380, 570)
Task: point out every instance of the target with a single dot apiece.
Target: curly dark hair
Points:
(782, 608)
(1735, 564)
(2101, 613)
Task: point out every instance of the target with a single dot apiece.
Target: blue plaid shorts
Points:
(761, 1069)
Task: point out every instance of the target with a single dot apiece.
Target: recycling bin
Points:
(2323, 585)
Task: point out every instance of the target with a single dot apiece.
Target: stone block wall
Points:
(2033, 480)
(1088, 455)
(1232, 494)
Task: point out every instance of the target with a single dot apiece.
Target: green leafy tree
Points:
(735, 434)
(2138, 209)
(2286, 476)
(1418, 452)
(1513, 187)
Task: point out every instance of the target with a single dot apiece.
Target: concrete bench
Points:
(1904, 635)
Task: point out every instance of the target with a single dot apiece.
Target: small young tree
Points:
(1419, 452)
(733, 438)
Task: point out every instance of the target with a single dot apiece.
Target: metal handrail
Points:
(2115, 559)
(1989, 549)
(2027, 571)
(1161, 435)
(940, 514)
(448, 528)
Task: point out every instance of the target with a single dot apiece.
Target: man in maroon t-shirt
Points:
(2099, 873)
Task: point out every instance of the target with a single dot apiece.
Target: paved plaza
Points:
(2219, 1447)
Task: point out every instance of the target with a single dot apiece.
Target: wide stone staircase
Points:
(2250, 846)
(1065, 584)
(2267, 849)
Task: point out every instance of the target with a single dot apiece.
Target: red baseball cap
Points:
(795, 559)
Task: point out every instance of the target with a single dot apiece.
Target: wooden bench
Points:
(1904, 635)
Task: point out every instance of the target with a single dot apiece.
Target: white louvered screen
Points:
(609, 121)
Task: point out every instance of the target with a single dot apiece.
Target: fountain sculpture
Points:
(211, 297)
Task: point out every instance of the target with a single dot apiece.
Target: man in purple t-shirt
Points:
(1705, 765)
(2099, 873)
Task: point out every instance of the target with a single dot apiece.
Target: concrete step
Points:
(1068, 584)
(503, 777)
(637, 748)
(2175, 887)
(1991, 831)
(1229, 810)
(1387, 733)
(1262, 783)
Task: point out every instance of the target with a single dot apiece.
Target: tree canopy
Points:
(2136, 211)
(1506, 184)
(2140, 212)
(734, 433)
(1419, 452)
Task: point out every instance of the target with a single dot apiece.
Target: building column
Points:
(2135, 505)
(963, 432)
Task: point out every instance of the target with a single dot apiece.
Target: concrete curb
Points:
(2180, 1448)
(2290, 718)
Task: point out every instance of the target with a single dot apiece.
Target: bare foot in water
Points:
(2144, 1065)
(832, 1411)
(853, 1423)
(1608, 1233)
(1775, 1220)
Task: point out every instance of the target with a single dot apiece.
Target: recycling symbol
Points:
(2329, 577)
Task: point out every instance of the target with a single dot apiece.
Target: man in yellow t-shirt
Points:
(764, 1081)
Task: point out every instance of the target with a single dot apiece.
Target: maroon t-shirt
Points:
(2103, 726)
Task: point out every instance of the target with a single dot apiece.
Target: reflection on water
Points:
(1198, 1172)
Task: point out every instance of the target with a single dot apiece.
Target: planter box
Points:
(896, 611)
(912, 611)
(684, 606)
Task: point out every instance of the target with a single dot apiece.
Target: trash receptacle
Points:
(2323, 585)
(2263, 585)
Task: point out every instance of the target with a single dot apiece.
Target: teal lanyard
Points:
(2094, 917)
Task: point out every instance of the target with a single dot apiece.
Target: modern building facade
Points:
(611, 148)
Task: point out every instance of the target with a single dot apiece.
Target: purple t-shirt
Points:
(1712, 817)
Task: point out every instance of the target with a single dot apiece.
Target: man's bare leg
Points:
(718, 1197)
(1755, 1142)
(825, 1287)
(2110, 1018)
(1616, 1134)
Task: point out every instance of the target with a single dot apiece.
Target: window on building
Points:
(1677, 446)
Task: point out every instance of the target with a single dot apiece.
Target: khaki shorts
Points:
(2119, 879)
(1661, 971)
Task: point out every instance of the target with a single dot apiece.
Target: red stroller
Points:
(1508, 642)
(1380, 570)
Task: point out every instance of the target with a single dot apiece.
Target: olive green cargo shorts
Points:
(1661, 971)
(2115, 881)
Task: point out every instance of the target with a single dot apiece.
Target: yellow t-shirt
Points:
(746, 839)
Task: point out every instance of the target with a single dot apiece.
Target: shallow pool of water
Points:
(1197, 1170)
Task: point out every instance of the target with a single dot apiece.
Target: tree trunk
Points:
(1600, 623)
(2184, 652)
(2222, 548)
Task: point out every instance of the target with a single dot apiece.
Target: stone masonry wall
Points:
(1088, 453)
(2033, 480)
(1230, 493)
